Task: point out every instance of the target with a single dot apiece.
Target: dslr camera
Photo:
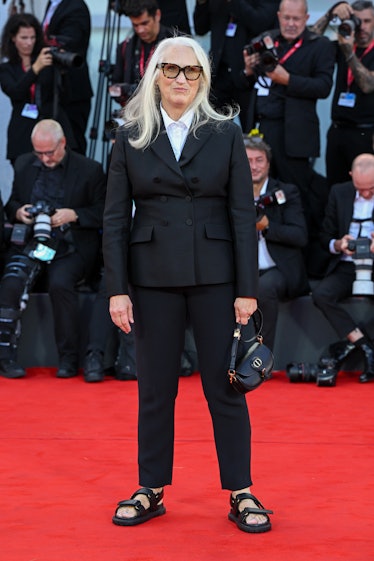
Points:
(41, 247)
(276, 197)
(66, 58)
(264, 46)
(363, 260)
(347, 26)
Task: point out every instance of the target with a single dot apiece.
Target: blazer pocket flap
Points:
(143, 234)
(218, 232)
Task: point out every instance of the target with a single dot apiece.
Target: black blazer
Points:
(16, 84)
(71, 25)
(251, 16)
(338, 217)
(286, 236)
(311, 68)
(84, 191)
(194, 222)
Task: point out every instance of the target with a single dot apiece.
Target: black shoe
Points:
(10, 369)
(93, 370)
(368, 373)
(124, 373)
(67, 369)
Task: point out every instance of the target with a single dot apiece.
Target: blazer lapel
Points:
(162, 148)
(194, 144)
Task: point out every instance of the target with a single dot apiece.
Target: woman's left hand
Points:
(244, 308)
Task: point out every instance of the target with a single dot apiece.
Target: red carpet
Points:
(68, 454)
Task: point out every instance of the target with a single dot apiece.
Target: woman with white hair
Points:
(191, 251)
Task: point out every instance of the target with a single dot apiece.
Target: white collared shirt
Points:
(264, 258)
(177, 131)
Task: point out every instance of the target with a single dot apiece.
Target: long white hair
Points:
(142, 112)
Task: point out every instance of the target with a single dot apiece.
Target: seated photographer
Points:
(282, 234)
(352, 108)
(285, 94)
(59, 196)
(349, 217)
(133, 53)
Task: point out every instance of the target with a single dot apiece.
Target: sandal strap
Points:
(154, 498)
(235, 501)
(136, 504)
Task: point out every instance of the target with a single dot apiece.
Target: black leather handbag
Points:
(249, 372)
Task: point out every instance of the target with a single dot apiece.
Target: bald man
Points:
(349, 215)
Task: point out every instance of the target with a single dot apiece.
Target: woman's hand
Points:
(244, 308)
(44, 59)
(121, 312)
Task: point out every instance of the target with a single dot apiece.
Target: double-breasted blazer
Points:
(194, 222)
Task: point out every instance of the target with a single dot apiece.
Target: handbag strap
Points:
(237, 336)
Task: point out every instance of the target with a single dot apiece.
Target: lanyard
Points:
(350, 76)
(142, 62)
(289, 53)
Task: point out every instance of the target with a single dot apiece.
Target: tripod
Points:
(103, 102)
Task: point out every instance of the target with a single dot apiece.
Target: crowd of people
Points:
(210, 208)
(268, 64)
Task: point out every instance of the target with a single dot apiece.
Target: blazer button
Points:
(163, 198)
(164, 223)
(189, 222)
(156, 180)
(194, 180)
(188, 198)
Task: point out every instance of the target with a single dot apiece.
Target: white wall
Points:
(99, 11)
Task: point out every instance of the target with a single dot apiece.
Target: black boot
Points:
(368, 373)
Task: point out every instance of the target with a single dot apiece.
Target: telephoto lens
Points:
(302, 371)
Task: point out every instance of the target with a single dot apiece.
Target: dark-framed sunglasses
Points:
(171, 71)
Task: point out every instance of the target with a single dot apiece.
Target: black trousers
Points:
(272, 290)
(160, 322)
(343, 145)
(329, 293)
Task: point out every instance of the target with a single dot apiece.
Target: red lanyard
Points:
(142, 63)
(350, 77)
(289, 53)
(32, 87)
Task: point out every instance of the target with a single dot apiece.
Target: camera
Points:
(363, 261)
(66, 58)
(302, 371)
(264, 46)
(42, 213)
(276, 197)
(347, 26)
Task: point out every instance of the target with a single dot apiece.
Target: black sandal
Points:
(239, 516)
(142, 514)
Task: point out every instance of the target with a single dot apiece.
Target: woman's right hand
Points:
(121, 312)
(44, 59)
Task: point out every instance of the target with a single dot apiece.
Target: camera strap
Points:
(291, 51)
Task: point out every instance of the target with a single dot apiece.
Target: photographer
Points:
(60, 195)
(231, 24)
(282, 234)
(27, 78)
(67, 25)
(352, 110)
(284, 99)
(349, 215)
(134, 53)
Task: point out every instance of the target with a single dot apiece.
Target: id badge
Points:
(44, 253)
(263, 87)
(347, 99)
(231, 29)
(30, 111)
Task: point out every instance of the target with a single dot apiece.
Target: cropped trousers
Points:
(160, 322)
